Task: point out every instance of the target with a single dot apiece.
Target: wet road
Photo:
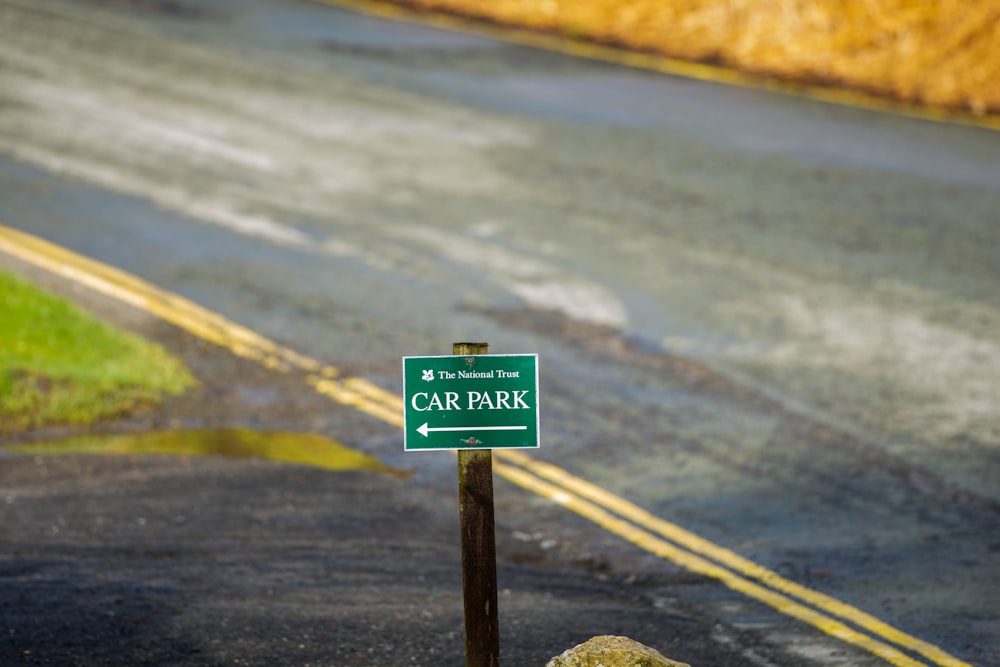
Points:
(770, 320)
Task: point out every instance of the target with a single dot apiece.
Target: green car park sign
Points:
(485, 401)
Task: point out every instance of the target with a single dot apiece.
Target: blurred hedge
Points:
(943, 54)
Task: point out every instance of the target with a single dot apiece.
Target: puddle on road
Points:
(287, 447)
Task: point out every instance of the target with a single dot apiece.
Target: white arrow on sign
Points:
(425, 429)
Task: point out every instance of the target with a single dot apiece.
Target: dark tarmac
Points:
(126, 560)
(179, 560)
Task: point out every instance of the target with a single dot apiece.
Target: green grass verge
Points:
(59, 365)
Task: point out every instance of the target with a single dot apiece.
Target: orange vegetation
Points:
(942, 54)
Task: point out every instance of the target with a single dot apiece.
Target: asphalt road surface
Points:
(772, 321)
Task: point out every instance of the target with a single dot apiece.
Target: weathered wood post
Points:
(479, 552)
(473, 402)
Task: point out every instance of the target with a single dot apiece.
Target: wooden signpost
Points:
(473, 402)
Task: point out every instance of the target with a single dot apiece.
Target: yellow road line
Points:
(348, 394)
(590, 501)
(356, 392)
(730, 559)
(136, 292)
(694, 563)
(662, 64)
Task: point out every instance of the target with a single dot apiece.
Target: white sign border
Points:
(538, 403)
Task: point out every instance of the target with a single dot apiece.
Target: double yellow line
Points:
(614, 514)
